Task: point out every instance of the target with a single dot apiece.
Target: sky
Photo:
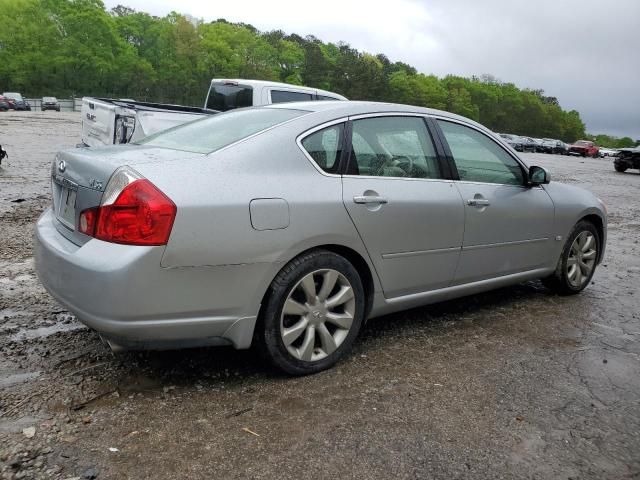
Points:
(584, 52)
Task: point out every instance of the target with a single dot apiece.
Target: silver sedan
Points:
(287, 226)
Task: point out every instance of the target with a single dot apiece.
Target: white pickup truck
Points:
(108, 121)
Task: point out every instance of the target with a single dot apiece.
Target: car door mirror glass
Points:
(538, 176)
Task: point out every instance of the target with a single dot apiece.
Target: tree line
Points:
(77, 47)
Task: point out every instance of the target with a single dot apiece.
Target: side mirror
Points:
(538, 176)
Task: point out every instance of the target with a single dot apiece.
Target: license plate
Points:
(67, 207)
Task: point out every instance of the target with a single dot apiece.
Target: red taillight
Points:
(140, 215)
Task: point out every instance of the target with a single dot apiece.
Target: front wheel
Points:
(313, 313)
(577, 263)
(620, 166)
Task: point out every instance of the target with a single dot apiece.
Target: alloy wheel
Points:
(582, 259)
(317, 315)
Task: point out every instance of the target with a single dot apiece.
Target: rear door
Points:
(508, 225)
(409, 217)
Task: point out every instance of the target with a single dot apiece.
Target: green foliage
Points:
(614, 142)
(76, 47)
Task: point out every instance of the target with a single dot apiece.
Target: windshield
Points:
(226, 97)
(217, 131)
(13, 96)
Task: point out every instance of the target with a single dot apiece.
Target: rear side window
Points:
(325, 147)
(227, 97)
(478, 158)
(392, 147)
(283, 96)
(217, 131)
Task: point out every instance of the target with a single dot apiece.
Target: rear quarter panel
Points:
(213, 195)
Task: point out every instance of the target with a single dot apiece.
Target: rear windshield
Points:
(227, 97)
(217, 131)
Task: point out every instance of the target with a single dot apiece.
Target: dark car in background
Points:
(584, 148)
(50, 103)
(550, 145)
(16, 102)
(513, 140)
(4, 104)
(529, 144)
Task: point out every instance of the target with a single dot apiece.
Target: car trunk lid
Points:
(79, 177)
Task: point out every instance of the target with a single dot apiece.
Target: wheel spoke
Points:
(587, 242)
(308, 286)
(326, 339)
(341, 320)
(571, 273)
(344, 295)
(329, 279)
(578, 276)
(589, 255)
(306, 349)
(571, 261)
(291, 334)
(291, 307)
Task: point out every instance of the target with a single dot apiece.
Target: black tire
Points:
(620, 166)
(267, 335)
(559, 281)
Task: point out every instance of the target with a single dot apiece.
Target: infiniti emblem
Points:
(62, 166)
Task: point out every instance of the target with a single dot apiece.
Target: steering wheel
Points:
(400, 161)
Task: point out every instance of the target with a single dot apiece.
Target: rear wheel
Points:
(313, 313)
(577, 262)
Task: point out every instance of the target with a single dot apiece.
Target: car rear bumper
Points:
(123, 293)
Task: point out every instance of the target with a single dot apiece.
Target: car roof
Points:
(267, 83)
(354, 107)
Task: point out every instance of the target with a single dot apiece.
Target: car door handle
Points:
(478, 202)
(369, 199)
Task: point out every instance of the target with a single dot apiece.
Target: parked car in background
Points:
(50, 103)
(529, 144)
(4, 104)
(608, 152)
(550, 145)
(107, 121)
(513, 140)
(627, 158)
(16, 102)
(584, 148)
(255, 226)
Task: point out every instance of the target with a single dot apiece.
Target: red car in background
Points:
(584, 148)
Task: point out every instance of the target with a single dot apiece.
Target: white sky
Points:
(585, 52)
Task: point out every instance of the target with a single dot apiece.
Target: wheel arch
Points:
(352, 256)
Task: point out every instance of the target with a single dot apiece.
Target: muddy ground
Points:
(516, 383)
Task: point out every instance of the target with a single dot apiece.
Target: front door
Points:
(410, 219)
(508, 225)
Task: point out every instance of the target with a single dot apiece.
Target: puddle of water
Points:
(9, 380)
(41, 332)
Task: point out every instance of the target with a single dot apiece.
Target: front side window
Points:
(283, 96)
(325, 147)
(217, 131)
(392, 147)
(478, 158)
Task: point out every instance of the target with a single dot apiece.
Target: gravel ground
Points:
(516, 383)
